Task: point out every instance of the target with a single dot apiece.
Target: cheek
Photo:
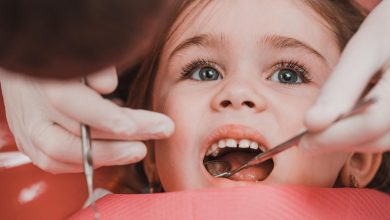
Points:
(175, 156)
(289, 111)
(296, 166)
(299, 167)
(169, 159)
(183, 110)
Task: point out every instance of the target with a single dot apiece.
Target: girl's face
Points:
(237, 77)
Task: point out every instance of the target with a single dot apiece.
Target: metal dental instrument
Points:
(217, 167)
(263, 156)
(88, 162)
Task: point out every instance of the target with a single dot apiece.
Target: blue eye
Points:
(287, 76)
(201, 70)
(205, 74)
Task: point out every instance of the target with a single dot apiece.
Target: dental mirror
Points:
(217, 167)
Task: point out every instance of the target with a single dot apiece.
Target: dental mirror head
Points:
(217, 167)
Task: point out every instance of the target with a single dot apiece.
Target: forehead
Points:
(243, 20)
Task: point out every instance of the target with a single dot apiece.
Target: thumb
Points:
(104, 81)
(347, 82)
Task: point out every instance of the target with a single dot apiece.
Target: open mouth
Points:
(237, 152)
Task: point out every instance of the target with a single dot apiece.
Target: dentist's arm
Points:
(66, 39)
(365, 60)
(44, 117)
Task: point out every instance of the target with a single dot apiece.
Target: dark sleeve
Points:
(67, 38)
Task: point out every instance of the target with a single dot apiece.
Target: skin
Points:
(247, 64)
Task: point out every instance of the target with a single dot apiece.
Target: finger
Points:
(64, 147)
(355, 130)
(46, 163)
(378, 145)
(73, 127)
(149, 125)
(138, 135)
(145, 130)
(55, 167)
(104, 82)
(84, 105)
(360, 60)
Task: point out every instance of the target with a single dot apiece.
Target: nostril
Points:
(225, 103)
(249, 104)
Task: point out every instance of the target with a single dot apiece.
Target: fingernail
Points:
(309, 148)
(304, 144)
(313, 111)
(164, 127)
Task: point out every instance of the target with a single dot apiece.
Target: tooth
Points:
(214, 147)
(215, 153)
(231, 143)
(209, 152)
(222, 143)
(254, 145)
(262, 148)
(244, 143)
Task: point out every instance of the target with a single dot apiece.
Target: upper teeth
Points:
(233, 143)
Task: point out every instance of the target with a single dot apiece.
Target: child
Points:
(237, 77)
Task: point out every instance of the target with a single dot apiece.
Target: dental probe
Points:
(88, 162)
(263, 156)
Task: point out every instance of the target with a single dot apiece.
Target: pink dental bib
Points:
(259, 202)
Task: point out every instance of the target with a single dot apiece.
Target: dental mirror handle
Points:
(294, 141)
(88, 162)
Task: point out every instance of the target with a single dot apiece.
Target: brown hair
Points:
(343, 18)
(65, 38)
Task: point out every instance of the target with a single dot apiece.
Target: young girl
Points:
(237, 77)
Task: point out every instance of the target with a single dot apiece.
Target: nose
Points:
(239, 95)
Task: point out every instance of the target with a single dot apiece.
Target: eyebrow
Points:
(203, 40)
(275, 41)
(280, 42)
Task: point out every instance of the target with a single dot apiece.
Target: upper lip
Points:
(234, 131)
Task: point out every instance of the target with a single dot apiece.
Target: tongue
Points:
(254, 173)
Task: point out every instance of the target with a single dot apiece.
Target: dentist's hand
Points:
(45, 116)
(365, 61)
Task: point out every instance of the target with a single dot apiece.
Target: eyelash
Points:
(198, 63)
(188, 69)
(295, 66)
